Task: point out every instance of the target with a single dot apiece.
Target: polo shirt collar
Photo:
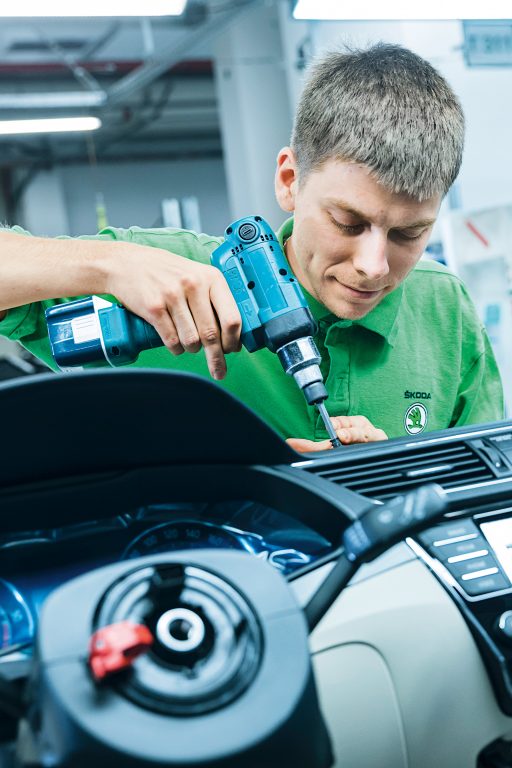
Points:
(383, 319)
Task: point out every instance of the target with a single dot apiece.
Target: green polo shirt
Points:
(419, 361)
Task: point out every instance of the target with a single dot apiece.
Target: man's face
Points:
(353, 241)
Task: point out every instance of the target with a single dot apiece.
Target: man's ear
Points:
(286, 180)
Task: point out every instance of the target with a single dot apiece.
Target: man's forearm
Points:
(35, 268)
(188, 303)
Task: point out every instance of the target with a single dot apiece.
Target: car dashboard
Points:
(413, 661)
(34, 563)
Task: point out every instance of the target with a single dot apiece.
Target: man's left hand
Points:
(349, 430)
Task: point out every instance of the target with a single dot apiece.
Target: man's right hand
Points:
(189, 304)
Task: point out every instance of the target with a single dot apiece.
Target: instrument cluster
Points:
(34, 563)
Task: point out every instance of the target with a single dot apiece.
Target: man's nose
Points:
(371, 255)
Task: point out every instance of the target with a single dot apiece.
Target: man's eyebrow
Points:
(360, 215)
(348, 209)
(417, 224)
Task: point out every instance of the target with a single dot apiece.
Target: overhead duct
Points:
(206, 26)
(157, 65)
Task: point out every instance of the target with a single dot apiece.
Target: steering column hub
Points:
(181, 630)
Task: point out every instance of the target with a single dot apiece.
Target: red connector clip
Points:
(115, 647)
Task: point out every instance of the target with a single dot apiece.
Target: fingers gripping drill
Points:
(274, 312)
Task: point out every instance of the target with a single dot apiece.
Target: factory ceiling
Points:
(150, 81)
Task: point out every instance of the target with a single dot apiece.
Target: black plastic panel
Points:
(108, 420)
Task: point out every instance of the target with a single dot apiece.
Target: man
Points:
(377, 142)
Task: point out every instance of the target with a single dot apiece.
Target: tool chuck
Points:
(301, 359)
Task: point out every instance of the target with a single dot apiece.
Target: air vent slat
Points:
(367, 472)
(367, 477)
(384, 476)
(441, 477)
(408, 457)
(467, 481)
(403, 485)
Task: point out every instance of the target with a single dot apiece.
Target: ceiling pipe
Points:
(140, 77)
(102, 67)
(81, 75)
(157, 65)
(77, 99)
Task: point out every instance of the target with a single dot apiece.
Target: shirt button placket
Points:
(338, 379)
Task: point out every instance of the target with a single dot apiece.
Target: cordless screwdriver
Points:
(92, 331)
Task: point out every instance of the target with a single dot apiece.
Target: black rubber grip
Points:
(382, 526)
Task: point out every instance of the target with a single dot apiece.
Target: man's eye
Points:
(349, 229)
(407, 236)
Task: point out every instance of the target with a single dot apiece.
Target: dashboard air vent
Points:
(451, 465)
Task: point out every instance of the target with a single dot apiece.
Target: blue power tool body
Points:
(275, 314)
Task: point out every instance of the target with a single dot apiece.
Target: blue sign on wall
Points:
(488, 43)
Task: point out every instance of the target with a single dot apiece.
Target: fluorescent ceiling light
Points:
(49, 125)
(59, 99)
(82, 8)
(365, 10)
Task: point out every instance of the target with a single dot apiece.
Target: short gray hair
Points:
(385, 108)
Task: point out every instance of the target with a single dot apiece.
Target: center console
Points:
(472, 558)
